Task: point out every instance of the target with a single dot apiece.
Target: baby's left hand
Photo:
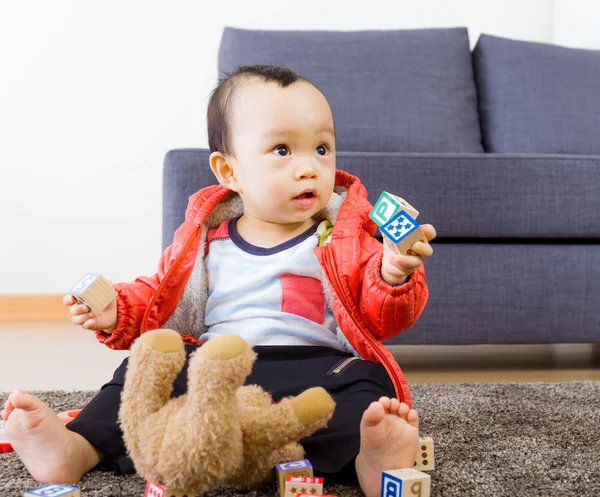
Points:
(395, 269)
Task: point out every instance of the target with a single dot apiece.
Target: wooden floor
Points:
(55, 355)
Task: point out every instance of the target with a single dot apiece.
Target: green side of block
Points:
(384, 209)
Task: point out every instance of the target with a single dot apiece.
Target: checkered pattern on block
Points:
(399, 226)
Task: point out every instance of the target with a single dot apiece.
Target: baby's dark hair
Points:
(219, 136)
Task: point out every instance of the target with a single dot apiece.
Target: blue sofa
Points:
(498, 148)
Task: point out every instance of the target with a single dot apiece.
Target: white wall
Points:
(93, 94)
(577, 23)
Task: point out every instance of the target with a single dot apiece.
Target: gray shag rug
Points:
(503, 439)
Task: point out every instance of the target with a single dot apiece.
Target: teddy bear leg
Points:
(272, 430)
(156, 358)
(259, 467)
(312, 406)
(217, 369)
(278, 424)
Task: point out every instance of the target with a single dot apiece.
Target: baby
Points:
(283, 254)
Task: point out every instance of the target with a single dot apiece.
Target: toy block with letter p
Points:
(425, 460)
(154, 489)
(384, 209)
(387, 206)
(404, 231)
(406, 482)
(95, 291)
(302, 484)
(53, 490)
(293, 468)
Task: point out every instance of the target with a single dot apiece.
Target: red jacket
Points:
(367, 309)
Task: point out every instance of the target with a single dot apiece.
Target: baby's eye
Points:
(321, 150)
(281, 150)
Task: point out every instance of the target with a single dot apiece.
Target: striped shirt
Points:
(268, 296)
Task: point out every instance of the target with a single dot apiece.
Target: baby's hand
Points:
(395, 269)
(105, 321)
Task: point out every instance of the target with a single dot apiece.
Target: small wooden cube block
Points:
(384, 209)
(302, 484)
(402, 231)
(154, 489)
(95, 291)
(406, 482)
(293, 468)
(387, 206)
(53, 490)
(405, 246)
(407, 207)
(314, 495)
(425, 460)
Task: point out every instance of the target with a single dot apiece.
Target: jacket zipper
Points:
(345, 363)
(175, 265)
(348, 305)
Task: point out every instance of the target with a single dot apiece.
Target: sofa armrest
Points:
(185, 171)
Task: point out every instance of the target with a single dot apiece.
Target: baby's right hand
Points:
(105, 321)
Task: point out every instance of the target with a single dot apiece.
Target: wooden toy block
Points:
(95, 291)
(154, 489)
(384, 209)
(406, 482)
(404, 231)
(314, 495)
(414, 213)
(425, 460)
(302, 484)
(293, 468)
(53, 490)
(387, 206)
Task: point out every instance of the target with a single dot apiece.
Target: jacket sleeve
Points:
(132, 301)
(390, 309)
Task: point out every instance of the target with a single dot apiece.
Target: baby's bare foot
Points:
(50, 452)
(389, 434)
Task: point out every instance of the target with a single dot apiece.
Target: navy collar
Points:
(254, 250)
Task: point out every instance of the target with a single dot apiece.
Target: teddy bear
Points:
(220, 432)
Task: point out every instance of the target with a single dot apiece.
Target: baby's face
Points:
(284, 146)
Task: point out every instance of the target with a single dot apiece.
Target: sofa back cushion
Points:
(537, 98)
(390, 91)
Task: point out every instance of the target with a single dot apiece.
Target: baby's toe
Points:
(413, 418)
(386, 402)
(403, 409)
(373, 415)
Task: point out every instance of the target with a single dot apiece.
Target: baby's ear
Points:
(224, 171)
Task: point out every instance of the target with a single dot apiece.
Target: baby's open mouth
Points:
(305, 195)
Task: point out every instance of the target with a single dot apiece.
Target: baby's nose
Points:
(306, 171)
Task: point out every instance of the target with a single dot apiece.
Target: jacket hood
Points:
(210, 206)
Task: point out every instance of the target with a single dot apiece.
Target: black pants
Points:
(283, 371)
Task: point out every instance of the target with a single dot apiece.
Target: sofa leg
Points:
(596, 355)
(575, 355)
